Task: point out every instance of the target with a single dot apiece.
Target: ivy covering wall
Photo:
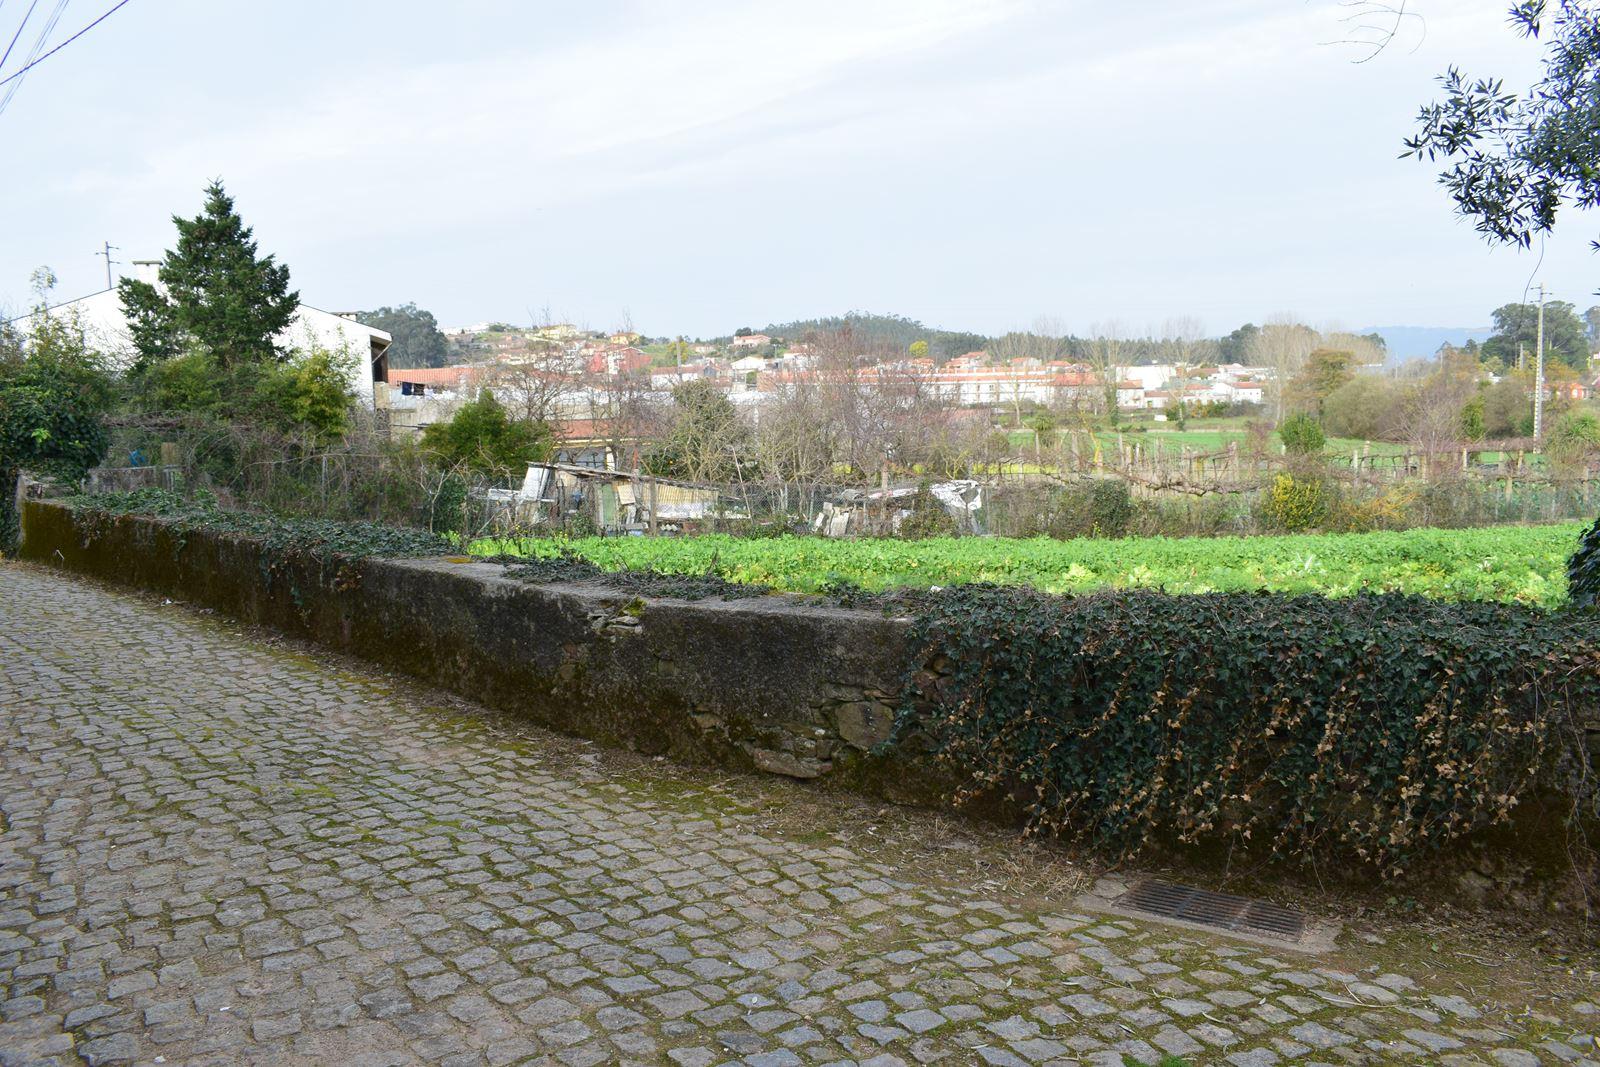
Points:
(1370, 729)
(1583, 570)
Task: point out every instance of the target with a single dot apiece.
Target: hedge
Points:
(1583, 570)
(1372, 729)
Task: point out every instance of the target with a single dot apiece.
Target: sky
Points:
(692, 167)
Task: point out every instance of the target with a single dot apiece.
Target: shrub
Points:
(1583, 570)
(482, 437)
(311, 392)
(928, 518)
(1301, 435)
(1574, 439)
(447, 508)
(1364, 408)
(183, 383)
(54, 394)
(1295, 502)
(1372, 729)
(1110, 507)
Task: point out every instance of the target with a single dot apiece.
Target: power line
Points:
(34, 63)
(33, 53)
(26, 15)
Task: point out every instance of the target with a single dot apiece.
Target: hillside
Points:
(885, 331)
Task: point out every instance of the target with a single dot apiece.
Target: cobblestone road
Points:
(214, 850)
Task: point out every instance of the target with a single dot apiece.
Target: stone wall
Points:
(765, 683)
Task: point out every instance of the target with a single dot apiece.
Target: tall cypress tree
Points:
(220, 295)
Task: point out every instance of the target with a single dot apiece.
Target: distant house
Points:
(561, 331)
(417, 397)
(754, 340)
(667, 378)
(1149, 375)
(625, 337)
(1239, 391)
(440, 379)
(612, 360)
(105, 326)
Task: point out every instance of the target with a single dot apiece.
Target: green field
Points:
(1524, 564)
(1212, 436)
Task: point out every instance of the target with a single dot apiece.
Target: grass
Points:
(1516, 564)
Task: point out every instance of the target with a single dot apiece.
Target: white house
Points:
(1239, 391)
(1130, 394)
(1148, 375)
(105, 327)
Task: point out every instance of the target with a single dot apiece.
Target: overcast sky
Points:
(699, 166)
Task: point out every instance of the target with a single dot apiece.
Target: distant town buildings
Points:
(575, 376)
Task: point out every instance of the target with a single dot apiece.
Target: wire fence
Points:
(368, 478)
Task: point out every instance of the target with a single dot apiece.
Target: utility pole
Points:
(109, 248)
(1538, 373)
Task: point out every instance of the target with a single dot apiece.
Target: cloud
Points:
(547, 121)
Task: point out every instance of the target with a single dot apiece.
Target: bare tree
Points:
(857, 396)
(624, 413)
(1283, 345)
(1181, 337)
(796, 445)
(1020, 352)
(541, 386)
(1368, 26)
(1361, 346)
(1433, 410)
(1105, 358)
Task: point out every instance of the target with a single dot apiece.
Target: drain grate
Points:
(1221, 910)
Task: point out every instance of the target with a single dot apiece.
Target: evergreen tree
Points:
(1517, 330)
(417, 340)
(483, 437)
(220, 295)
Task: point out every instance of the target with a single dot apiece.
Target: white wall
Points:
(1149, 376)
(335, 332)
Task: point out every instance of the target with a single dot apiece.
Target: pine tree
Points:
(220, 296)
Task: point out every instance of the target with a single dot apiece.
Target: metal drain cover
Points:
(1220, 910)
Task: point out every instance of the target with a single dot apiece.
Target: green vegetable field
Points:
(1524, 564)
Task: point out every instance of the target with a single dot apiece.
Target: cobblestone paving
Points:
(216, 851)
